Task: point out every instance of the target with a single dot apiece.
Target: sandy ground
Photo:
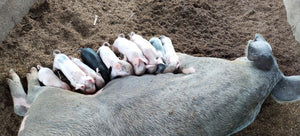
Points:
(199, 28)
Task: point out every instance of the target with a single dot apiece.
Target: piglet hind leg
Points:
(17, 93)
(34, 88)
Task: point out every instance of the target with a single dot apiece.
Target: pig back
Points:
(220, 98)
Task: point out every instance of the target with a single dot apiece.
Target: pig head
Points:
(220, 98)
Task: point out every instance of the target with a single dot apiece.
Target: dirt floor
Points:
(198, 27)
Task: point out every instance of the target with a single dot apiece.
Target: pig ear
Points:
(178, 65)
(143, 60)
(131, 34)
(117, 66)
(79, 86)
(168, 60)
(109, 70)
(121, 35)
(287, 90)
(91, 80)
(70, 57)
(125, 58)
(259, 37)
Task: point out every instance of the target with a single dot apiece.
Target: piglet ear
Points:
(79, 87)
(125, 58)
(178, 65)
(143, 60)
(131, 34)
(287, 89)
(168, 60)
(259, 37)
(90, 79)
(117, 66)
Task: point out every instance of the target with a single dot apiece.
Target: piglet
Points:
(74, 74)
(48, 78)
(99, 81)
(148, 51)
(132, 52)
(156, 43)
(90, 58)
(172, 60)
(119, 67)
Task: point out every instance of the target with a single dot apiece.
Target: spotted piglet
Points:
(156, 43)
(172, 60)
(99, 81)
(80, 80)
(120, 68)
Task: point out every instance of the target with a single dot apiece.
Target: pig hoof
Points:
(13, 75)
(20, 110)
(32, 77)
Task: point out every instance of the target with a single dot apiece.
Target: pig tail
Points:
(56, 51)
(106, 43)
(39, 67)
(121, 35)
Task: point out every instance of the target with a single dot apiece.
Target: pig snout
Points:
(161, 68)
(89, 85)
(139, 65)
(89, 89)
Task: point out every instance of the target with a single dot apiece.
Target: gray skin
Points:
(220, 98)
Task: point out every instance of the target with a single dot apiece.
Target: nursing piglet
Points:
(48, 78)
(119, 67)
(77, 78)
(148, 51)
(99, 81)
(156, 43)
(93, 60)
(172, 60)
(132, 52)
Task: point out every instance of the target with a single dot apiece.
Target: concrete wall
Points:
(11, 13)
(293, 16)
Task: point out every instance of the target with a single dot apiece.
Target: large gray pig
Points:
(220, 98)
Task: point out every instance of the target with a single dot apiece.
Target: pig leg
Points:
(17, 93)
(33, 85)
